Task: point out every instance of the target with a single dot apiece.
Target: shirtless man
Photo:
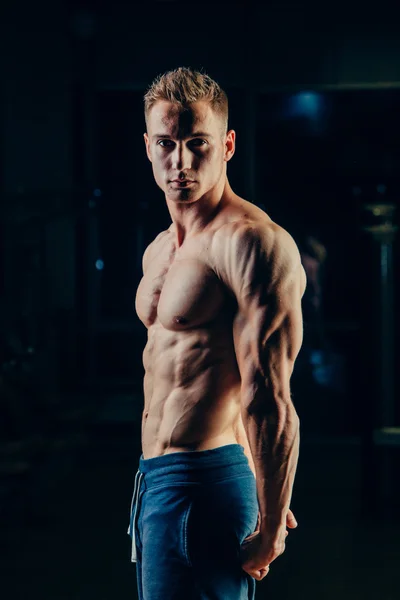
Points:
(221, 300)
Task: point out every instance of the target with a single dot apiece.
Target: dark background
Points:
(314, 98)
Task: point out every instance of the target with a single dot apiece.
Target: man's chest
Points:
(180, 289)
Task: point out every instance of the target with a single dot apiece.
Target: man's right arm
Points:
(148, 253)
(146, 257)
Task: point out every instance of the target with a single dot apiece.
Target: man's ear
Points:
(230, 144)
(147, 142)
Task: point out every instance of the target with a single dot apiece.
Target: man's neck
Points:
(190, 219)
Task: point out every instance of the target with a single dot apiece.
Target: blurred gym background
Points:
(314, 98)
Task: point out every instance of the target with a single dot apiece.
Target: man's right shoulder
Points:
(147, 255)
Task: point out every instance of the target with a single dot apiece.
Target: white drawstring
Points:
(132, 521)
(133, 498)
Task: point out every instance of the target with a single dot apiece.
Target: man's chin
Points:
(182, 194)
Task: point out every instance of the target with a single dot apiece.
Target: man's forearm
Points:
(241, 437)
(274, 438)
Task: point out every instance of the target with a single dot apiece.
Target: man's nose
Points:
(181, 157)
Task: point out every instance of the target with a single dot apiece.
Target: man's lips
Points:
(182, 183)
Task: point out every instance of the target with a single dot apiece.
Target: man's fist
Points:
(259, 549)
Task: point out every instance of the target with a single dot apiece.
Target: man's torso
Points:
(192, 381)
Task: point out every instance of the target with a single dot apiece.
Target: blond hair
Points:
(183, 86)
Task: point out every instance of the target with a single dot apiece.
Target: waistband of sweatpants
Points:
(202, 466)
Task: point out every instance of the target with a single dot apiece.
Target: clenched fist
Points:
(259, 549)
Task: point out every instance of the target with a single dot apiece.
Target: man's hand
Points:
(258, 550)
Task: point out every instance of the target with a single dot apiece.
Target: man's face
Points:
(188, 149)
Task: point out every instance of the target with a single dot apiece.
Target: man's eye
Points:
(198, 142)
(169, 143)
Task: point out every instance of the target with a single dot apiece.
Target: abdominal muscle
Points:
(192, 391)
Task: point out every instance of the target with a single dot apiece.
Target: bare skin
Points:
(219, 284)
(192, 380)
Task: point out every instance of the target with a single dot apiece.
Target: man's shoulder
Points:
(251, 251)
(255, 233)
(160, 237)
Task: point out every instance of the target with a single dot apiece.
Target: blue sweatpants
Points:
(190, 513)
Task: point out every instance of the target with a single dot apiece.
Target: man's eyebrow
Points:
(196, 134)
(201, 134)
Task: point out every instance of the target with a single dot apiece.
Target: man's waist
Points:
(202, 466)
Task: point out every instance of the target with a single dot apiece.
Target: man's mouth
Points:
(182, 182)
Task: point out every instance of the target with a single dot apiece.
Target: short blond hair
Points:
(183, 86)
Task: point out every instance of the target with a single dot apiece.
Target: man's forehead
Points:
(171, 116)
